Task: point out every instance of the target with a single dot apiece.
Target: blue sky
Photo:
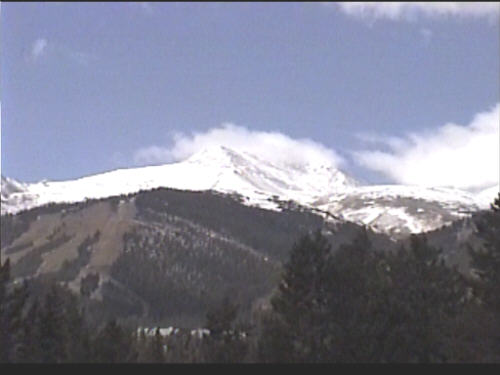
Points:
(89, 87)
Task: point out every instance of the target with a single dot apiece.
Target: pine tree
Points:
(225, 343)
(221, 318)
(153, 348)
(4, 279)
(361, 305)
(79, 337)
(12, 304)
(290, 333)
(5, 336)
(486, 263)
(354, 291)
(426, 296)
(54, 335)
(30, 337)
(113, 345)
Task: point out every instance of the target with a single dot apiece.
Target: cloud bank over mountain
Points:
(461, 156)
(453, 155)
(272, 146)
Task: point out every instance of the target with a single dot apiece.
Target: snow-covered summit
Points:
(10, 186)
(215, 168)
(395, 209)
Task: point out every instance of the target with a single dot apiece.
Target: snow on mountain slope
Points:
(10, 186)
(487, 196)
(12, 192)
(394, 209)
(216, 168)
(400, 209)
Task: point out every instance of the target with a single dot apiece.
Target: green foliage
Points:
(226, 342)
(4, 279)
(154, 349)
(486, 261)
(486, 264)
(113, 344)
(54, 329)
(287, 335)
(270, 230)
(30, 337)
(221, 317)
(341, 298)
(88, 284)
(424, 295)
(188, 250)
(12, 304)
(358, 305)
(179, 273)
(50, 332)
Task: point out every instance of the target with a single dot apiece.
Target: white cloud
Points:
(454, 155)
(38, 48)
(410, 10)
(41, 47)
(272, 146)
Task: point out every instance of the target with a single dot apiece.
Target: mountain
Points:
(400, 210)
(162, 254)
(11, 194)
(394, 209)
(137, 250)
(216, 168)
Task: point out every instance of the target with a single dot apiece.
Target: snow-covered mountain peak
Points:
(214, 155)
(257, 178)
(213, 168)
(9, 186)
(318, 184)
(220, 156)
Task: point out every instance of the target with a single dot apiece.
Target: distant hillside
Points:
(163, 255)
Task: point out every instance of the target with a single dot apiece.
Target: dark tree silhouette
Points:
(114, 344)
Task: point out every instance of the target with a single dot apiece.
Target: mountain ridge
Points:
(394, 209)
(216, 168)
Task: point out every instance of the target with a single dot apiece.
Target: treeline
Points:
(270, 229)
(180, 272)
(356, 303)
(54, 328)
(360, 305)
